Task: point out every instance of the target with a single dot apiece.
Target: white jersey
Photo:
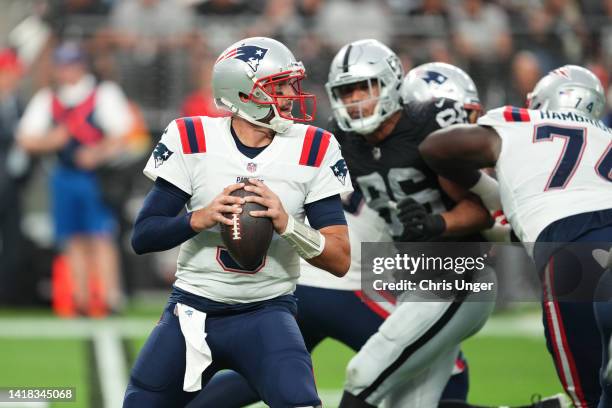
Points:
(365, 225)
(199, 156)
(552, 165)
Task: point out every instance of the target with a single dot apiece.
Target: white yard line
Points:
(111, 366)
(48, 327)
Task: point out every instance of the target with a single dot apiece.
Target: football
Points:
(248, 239)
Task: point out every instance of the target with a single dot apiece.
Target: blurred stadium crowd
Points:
(161, 52)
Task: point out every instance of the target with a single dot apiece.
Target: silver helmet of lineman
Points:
(440, 80)
(246, 80)
(371, 62)
(569, 87)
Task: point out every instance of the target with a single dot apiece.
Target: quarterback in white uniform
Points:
(221, 315)
(554, 166)
(277, 167)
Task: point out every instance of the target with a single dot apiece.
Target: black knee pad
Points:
(351, 401)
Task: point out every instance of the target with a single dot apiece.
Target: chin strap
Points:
(277, 124)
(307, 241)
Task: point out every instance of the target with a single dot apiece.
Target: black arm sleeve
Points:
(325, 212)
(159, 226)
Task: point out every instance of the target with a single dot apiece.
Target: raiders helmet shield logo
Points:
(161, 153)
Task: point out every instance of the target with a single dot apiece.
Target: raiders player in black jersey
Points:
(379, 131)
(388, 172)
(411, 357)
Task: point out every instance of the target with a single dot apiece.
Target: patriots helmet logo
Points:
(434, 77)
(161, 153)
(251, 54)
(340, 170)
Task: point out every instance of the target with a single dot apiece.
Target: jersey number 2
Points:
(575, 142)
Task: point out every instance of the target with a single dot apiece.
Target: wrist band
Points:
(307, 241)
(487, 188)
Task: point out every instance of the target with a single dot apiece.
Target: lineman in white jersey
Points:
(220, 315)
(554, 165)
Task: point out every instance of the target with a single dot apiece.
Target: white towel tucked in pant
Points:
(198, 355)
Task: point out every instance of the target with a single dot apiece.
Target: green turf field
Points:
(508, 360)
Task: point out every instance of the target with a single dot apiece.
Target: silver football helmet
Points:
(440, 80)
(250, 79)
(570, 88)
(370, 64)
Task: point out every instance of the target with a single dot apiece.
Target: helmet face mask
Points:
(259, 80)
(474, 111)
(363, 86)
(569, 88)
(358, 104)
(272, 90)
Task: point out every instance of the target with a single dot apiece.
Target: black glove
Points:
(419, 225)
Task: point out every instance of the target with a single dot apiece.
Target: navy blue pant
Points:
(339, 314)
(603, 313)
(263, 344)
(575, 340)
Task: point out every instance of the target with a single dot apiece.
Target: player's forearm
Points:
(467, 217)
(457, 152)
(160, 233)
(158, 226)
(336, 256)
(447, 163)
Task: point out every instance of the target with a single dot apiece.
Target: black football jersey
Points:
(386, 173)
